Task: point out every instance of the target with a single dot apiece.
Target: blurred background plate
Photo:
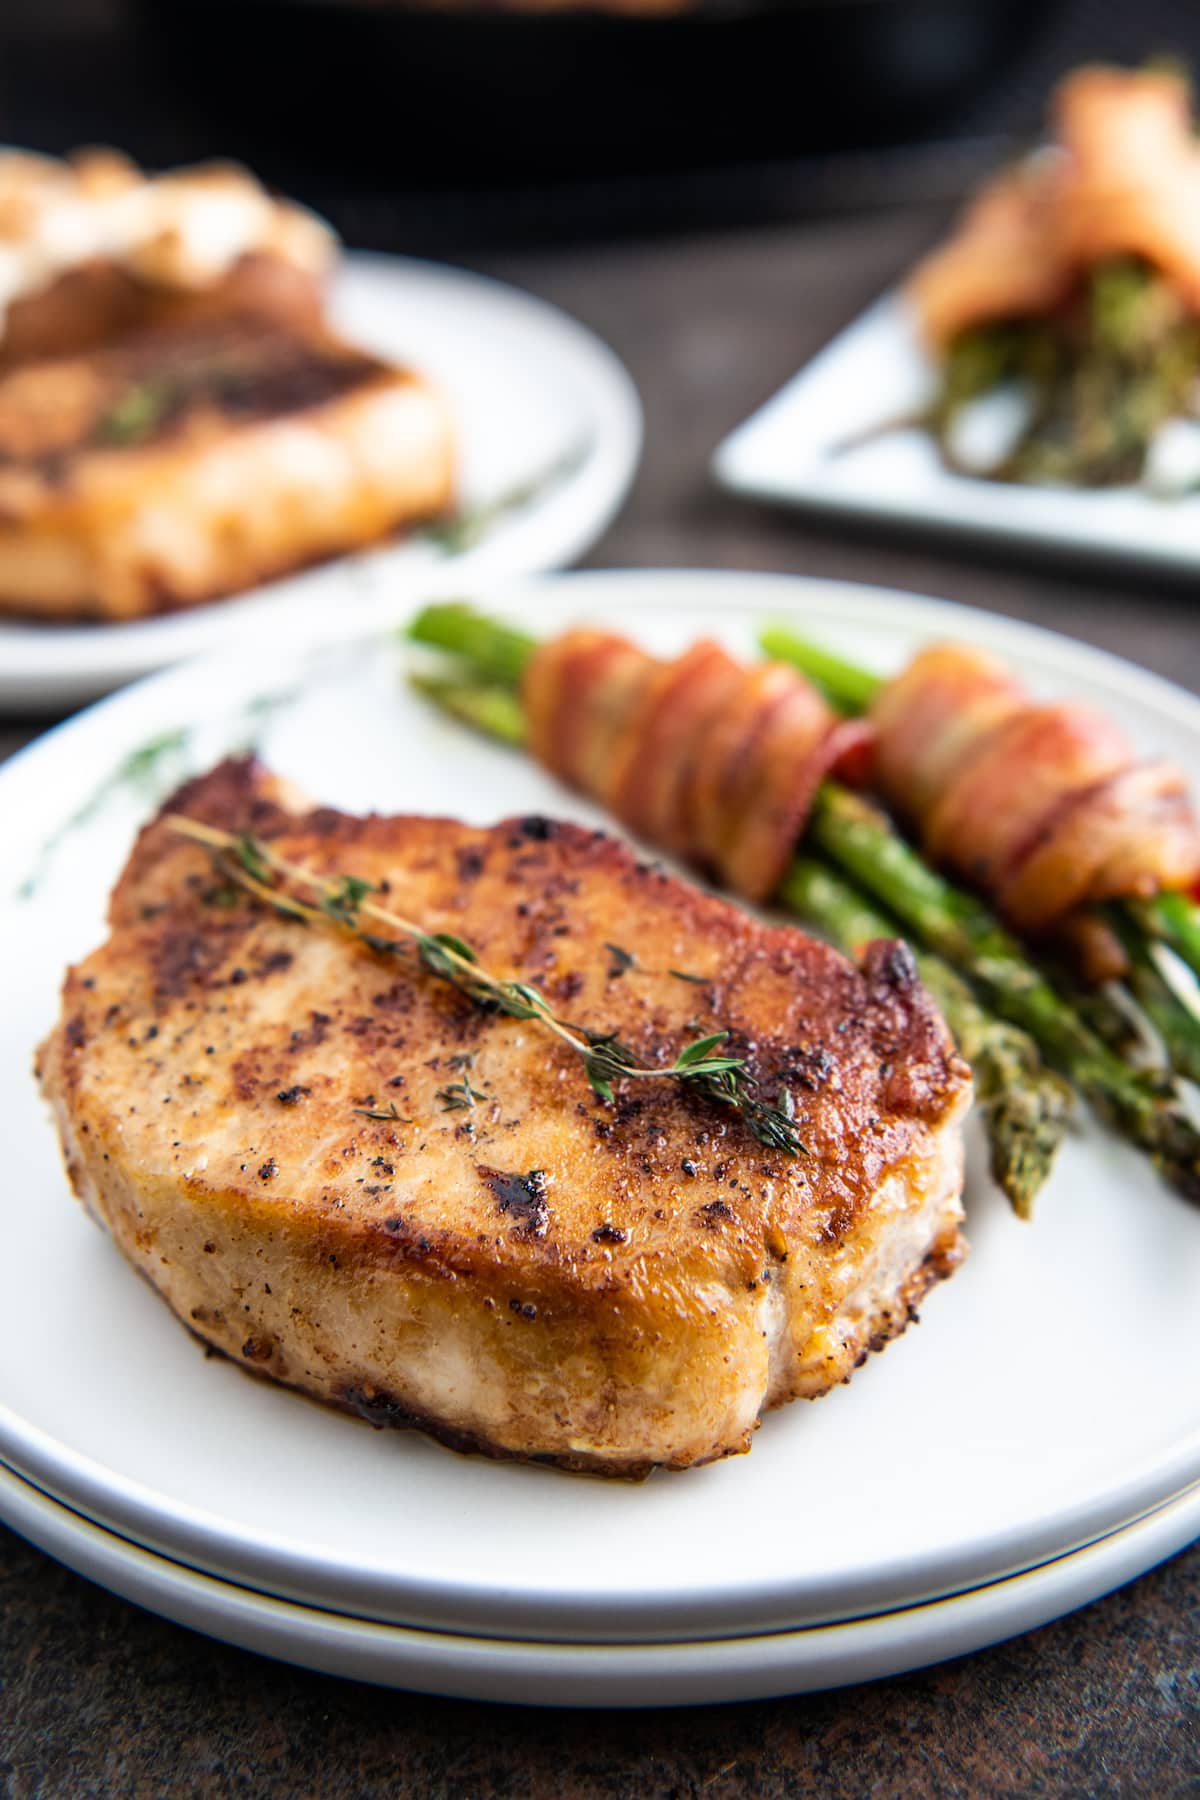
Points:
(823, 445)
(549, 432)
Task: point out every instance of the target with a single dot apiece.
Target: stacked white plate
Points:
(1033, 1443)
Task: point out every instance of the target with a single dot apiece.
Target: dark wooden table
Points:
(99, 1698)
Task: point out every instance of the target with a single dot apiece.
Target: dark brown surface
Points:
(98, 1698)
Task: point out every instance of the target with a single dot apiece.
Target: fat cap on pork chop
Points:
(509, 1262)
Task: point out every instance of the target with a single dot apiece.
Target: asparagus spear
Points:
(491, 708)
(489, 648)
(1173, 917)
(843, 683)
(1177, 1025)
(1112, 1014)
(958, 928)
(860, 839)
(1027, 1107)
(1097, 382)
(1090, 388)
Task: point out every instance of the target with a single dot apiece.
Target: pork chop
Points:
(347, 1175)
(188, 460)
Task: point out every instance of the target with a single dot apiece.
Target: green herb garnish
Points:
(459, 1095)
(136, 413)
(723, 1080)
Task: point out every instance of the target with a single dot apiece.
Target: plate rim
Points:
(688, 1673)
(82, 1482)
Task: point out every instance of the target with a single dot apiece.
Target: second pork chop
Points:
(188, 460)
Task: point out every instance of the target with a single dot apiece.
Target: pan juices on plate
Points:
(381, 1113)
(177, 419)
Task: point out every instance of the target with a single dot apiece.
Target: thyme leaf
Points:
(441, 952)
(344, 901)
(457, 1096)
(390, 1112)
(695, 1056)
(136, 413)
(252, 860)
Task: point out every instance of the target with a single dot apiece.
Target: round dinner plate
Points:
(550, 431)
(532, 1674)
(1050, 1395)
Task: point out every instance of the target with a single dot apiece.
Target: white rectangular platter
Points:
(821, 444)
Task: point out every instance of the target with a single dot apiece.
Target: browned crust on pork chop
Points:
(537, 1273)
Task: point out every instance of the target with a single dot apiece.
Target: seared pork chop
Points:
(189, 460)
(341, 1171)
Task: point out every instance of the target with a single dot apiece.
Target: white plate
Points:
(683, 1674)
(538, 400)
(1050, 1395)
(875, 372)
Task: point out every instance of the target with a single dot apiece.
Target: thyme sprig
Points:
(458, 1096)
(136, 412)
(390, 1113)
(346, 900)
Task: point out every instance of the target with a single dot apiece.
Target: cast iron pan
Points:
(430, 95)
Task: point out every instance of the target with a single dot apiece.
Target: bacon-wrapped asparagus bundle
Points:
(1073, 281)
(1122, 180)
(715, 760)
(1146, 1107)
(1044, 808)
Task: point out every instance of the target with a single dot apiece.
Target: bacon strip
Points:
(579, 692)
(1042, 807)
(1123, 179)
(715, 761)
(1009, 794)
(934, 714)
(1133, 835)
(658, 748)
(1005, 259)
(1133, 172)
